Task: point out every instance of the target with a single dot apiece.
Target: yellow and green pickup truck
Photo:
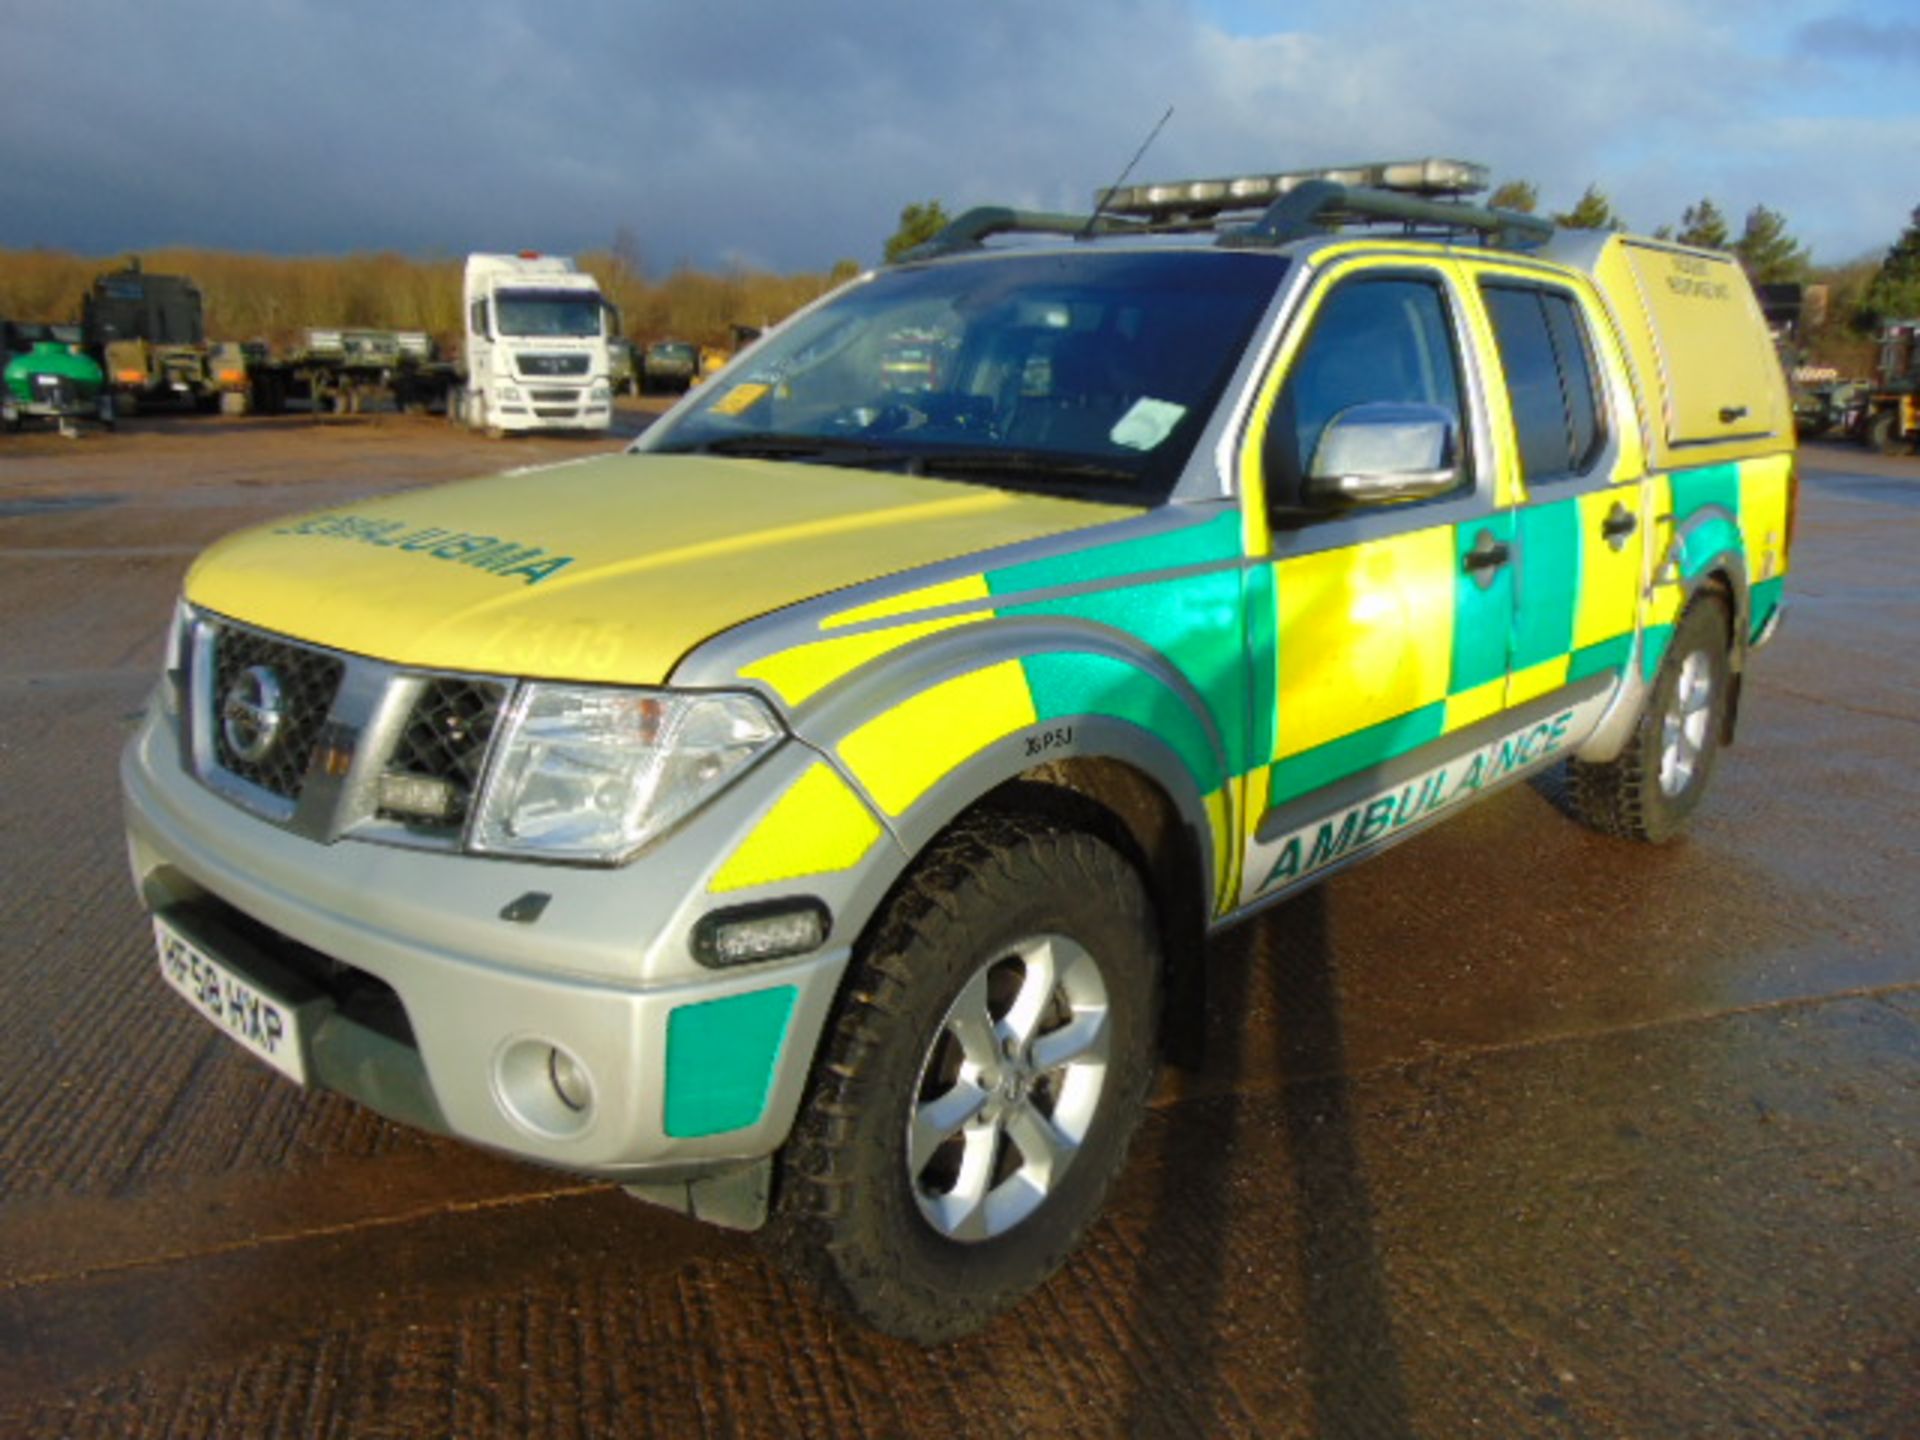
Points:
(814, 817)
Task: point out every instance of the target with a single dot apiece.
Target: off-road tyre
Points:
(846, 1216)
(1625, 797)
(1883, 433)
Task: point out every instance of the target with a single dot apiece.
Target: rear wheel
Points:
(1883, 433)
(1649, 792)
(978, 1088)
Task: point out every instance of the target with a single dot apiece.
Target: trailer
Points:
(342, 371)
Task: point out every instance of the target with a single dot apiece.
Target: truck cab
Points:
(537, 355)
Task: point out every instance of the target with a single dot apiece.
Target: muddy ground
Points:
(1516, 1131)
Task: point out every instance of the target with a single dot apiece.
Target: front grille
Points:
(444, 743)
(249, 669)
(553, 364)
(554, 412)
(553, 397)
(56, 390)
(329, 745)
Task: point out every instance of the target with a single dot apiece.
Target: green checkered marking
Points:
(1310, 770)
(1606, 657)
(1482, 618)
(721, 1056)
(1550, 565)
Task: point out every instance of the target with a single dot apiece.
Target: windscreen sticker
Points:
(1148, 423)
(740, 397)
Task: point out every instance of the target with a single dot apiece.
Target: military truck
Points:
(1892, 422)
(149, 332)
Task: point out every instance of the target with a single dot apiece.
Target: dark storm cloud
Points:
(790, 134)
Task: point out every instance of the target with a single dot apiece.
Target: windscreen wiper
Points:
(774, 445)
(1017, 465)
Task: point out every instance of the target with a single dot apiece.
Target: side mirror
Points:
(1382, 452)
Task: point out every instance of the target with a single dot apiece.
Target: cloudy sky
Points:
(787, 134)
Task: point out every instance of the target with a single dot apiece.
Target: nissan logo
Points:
(250, 715)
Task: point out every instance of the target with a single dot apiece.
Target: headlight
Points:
(509, 392)
(587, 773)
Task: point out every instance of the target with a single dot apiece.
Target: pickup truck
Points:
(814, 818)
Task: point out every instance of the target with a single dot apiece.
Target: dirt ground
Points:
(1515, 1131)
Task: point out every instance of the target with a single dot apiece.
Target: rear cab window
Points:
(1547, 358)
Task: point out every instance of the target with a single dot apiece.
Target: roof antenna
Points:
(1106, 195)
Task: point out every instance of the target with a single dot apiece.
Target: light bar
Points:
(1246, 192)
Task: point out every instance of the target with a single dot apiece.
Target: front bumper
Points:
(690, 1073)
(519, 417)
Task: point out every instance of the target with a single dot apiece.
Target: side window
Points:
(1548, 362)
(1388, 339)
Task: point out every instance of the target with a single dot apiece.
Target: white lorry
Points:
(536, 346)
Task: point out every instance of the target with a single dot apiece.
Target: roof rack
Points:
(1426, 197)
(1320, 206)
(976, 225)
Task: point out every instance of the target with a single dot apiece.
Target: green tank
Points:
(56, 382)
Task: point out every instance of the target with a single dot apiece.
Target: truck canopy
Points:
(133, 305)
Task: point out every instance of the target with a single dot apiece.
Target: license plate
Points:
(259, 1021)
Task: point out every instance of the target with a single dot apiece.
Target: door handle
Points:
(1619, 524)
(1731, 413)
(1486, 556)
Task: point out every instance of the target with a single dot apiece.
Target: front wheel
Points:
(1649, 792)
(981, 1080)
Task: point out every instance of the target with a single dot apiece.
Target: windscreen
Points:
(547, 312)
(1080, 370)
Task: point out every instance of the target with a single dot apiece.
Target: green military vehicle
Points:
(47, 376)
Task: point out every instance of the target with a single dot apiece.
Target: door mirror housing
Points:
(1383, 452)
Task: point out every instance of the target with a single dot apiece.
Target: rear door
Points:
(1579, 550)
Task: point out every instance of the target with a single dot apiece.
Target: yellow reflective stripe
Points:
(807, 669)
(900, 754)
(817, 827)
(1609, 578)
(1763, 515)
(1537, 680)
(929, 597)
(1366, 634)
(1219, 819)
(1507, 488)
(1467, 706)
(1664, 595)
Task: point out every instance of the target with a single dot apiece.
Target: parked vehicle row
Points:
(541, 349)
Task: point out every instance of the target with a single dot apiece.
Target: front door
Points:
(1391, 623)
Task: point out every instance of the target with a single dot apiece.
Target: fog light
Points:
(569, 1080)
(544, 1088)
(767, 931)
